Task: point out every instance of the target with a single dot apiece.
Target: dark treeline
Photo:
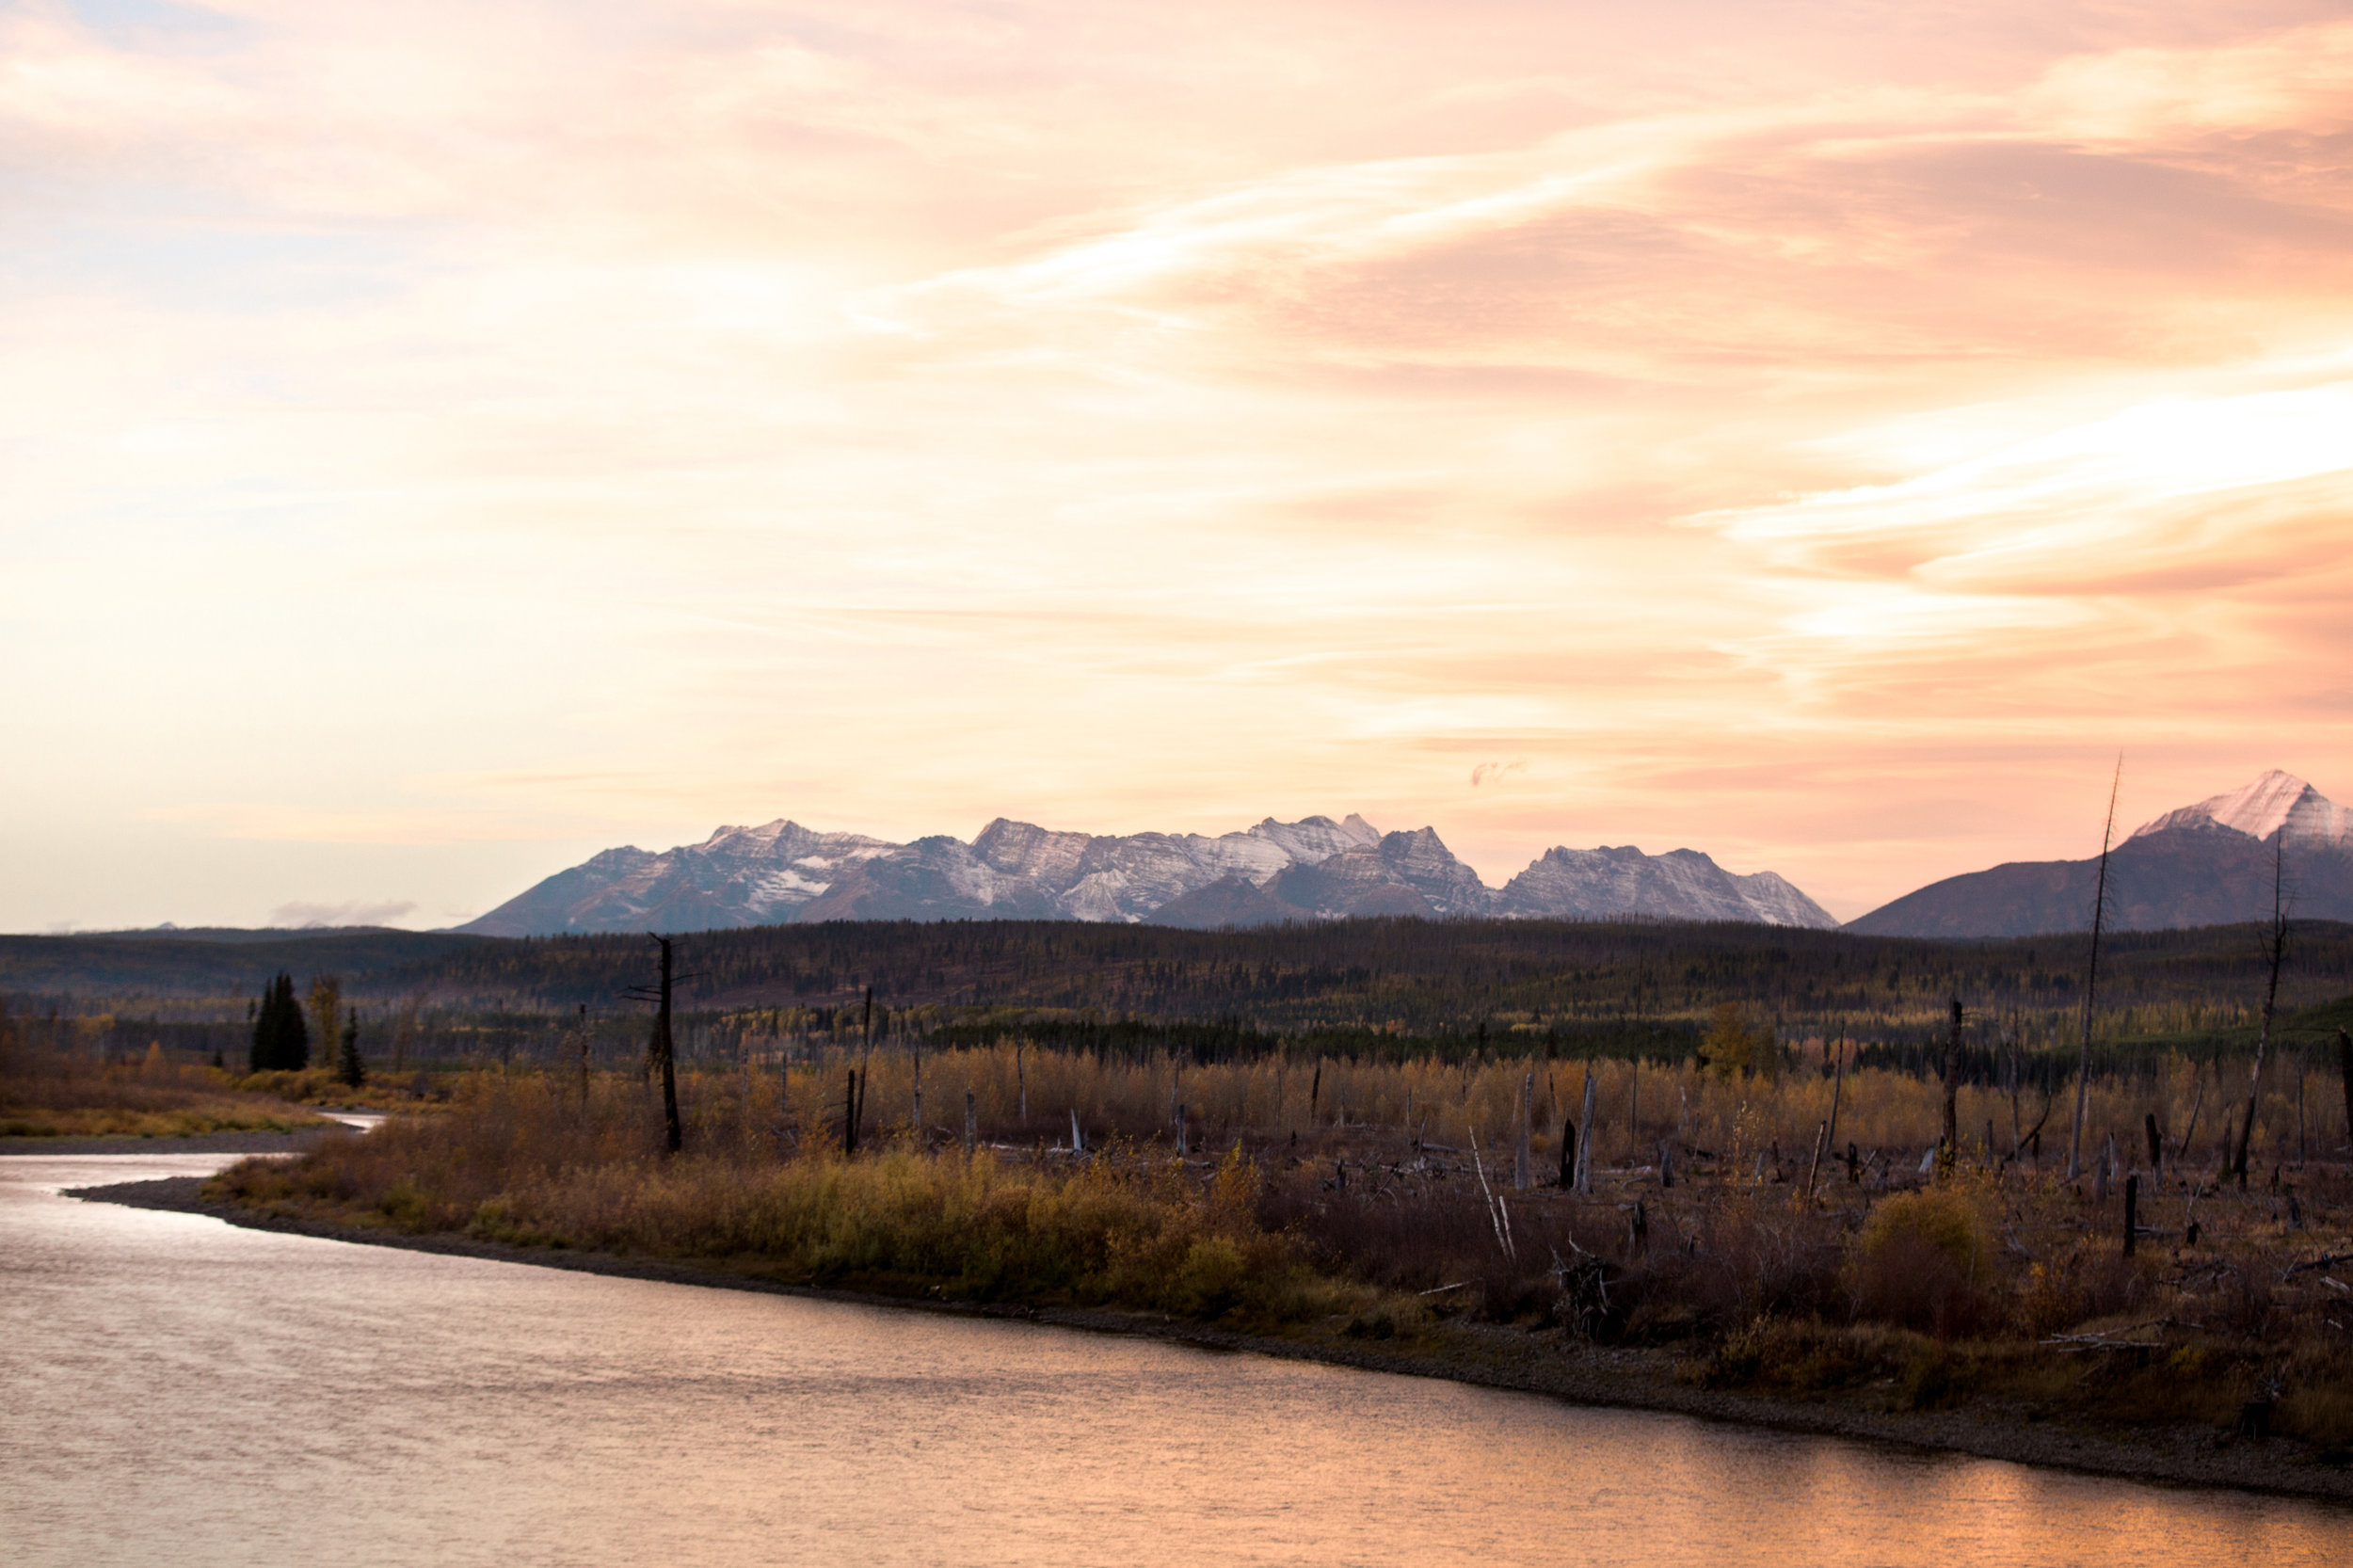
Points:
(1419, 977)
(1374, 988)
(183, 964)
(1207, 1041)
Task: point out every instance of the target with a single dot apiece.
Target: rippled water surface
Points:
(177, 1391)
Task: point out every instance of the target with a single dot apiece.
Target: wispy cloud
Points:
(438, 425)
(357, 912)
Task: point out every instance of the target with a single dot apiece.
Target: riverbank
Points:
(300, 1141)
(1533, 1360)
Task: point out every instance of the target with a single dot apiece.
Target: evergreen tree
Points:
(282, 1042)
(349, 1066)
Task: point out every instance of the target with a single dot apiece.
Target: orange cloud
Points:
(1818, 436)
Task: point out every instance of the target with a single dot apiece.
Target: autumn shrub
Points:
(1807, 1356)
(2074, 1286)
(1925, 1261)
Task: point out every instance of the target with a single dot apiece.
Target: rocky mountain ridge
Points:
(1312, 869)
(2208, 864)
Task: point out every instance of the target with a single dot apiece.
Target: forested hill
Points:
(1409, 975)
(210, 963)
(1414, 974)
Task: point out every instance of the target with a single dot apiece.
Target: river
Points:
(179, 1391)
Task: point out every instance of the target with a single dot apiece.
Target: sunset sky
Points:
(438, 441)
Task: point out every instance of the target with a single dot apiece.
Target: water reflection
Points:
(186, 1392)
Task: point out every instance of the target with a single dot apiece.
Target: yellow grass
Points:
(1352, 1196)
(62, 1096)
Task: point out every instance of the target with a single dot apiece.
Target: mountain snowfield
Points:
(2275, 801)
(1313, 868)
(2209, 864)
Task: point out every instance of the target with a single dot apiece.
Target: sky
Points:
(440, 441)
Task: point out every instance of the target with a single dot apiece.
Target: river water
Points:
(179, 1391)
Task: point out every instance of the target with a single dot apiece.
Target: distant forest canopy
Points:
(1381, 987)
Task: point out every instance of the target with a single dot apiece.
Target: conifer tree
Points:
(282, 1042)
(348, 1065)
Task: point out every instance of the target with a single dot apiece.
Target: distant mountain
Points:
(2207, 864)
(1313, 868)
(1681, 884)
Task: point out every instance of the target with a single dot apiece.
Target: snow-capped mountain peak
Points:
(1311, 869)
(2274, 802)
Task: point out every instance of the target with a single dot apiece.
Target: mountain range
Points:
(2207, 864)
(1313, 868)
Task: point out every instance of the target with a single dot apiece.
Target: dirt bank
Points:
(206, 1143)
(1540, 1361)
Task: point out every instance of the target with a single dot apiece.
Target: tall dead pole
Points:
(1949, 1146)
(864, 1074)
(2344, 1075)
(1837, 1086)
(2275, 950)
(2091, 981)
(660, 1053)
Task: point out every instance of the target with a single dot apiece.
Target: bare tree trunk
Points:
(665, 1057)
(2092, 983)
(1948, 1147)
(1521, 1155)
(865, 1073)
(2344, 1075)
(2017, 1116)
(2197, 1104)
(2275, 949)
(1837, 1091)
(1585, 1151)
(971, 1123)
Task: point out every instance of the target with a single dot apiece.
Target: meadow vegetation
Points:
(1715, 1153)
(45, 1097)
(55, 1084)
(1414, 1206)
